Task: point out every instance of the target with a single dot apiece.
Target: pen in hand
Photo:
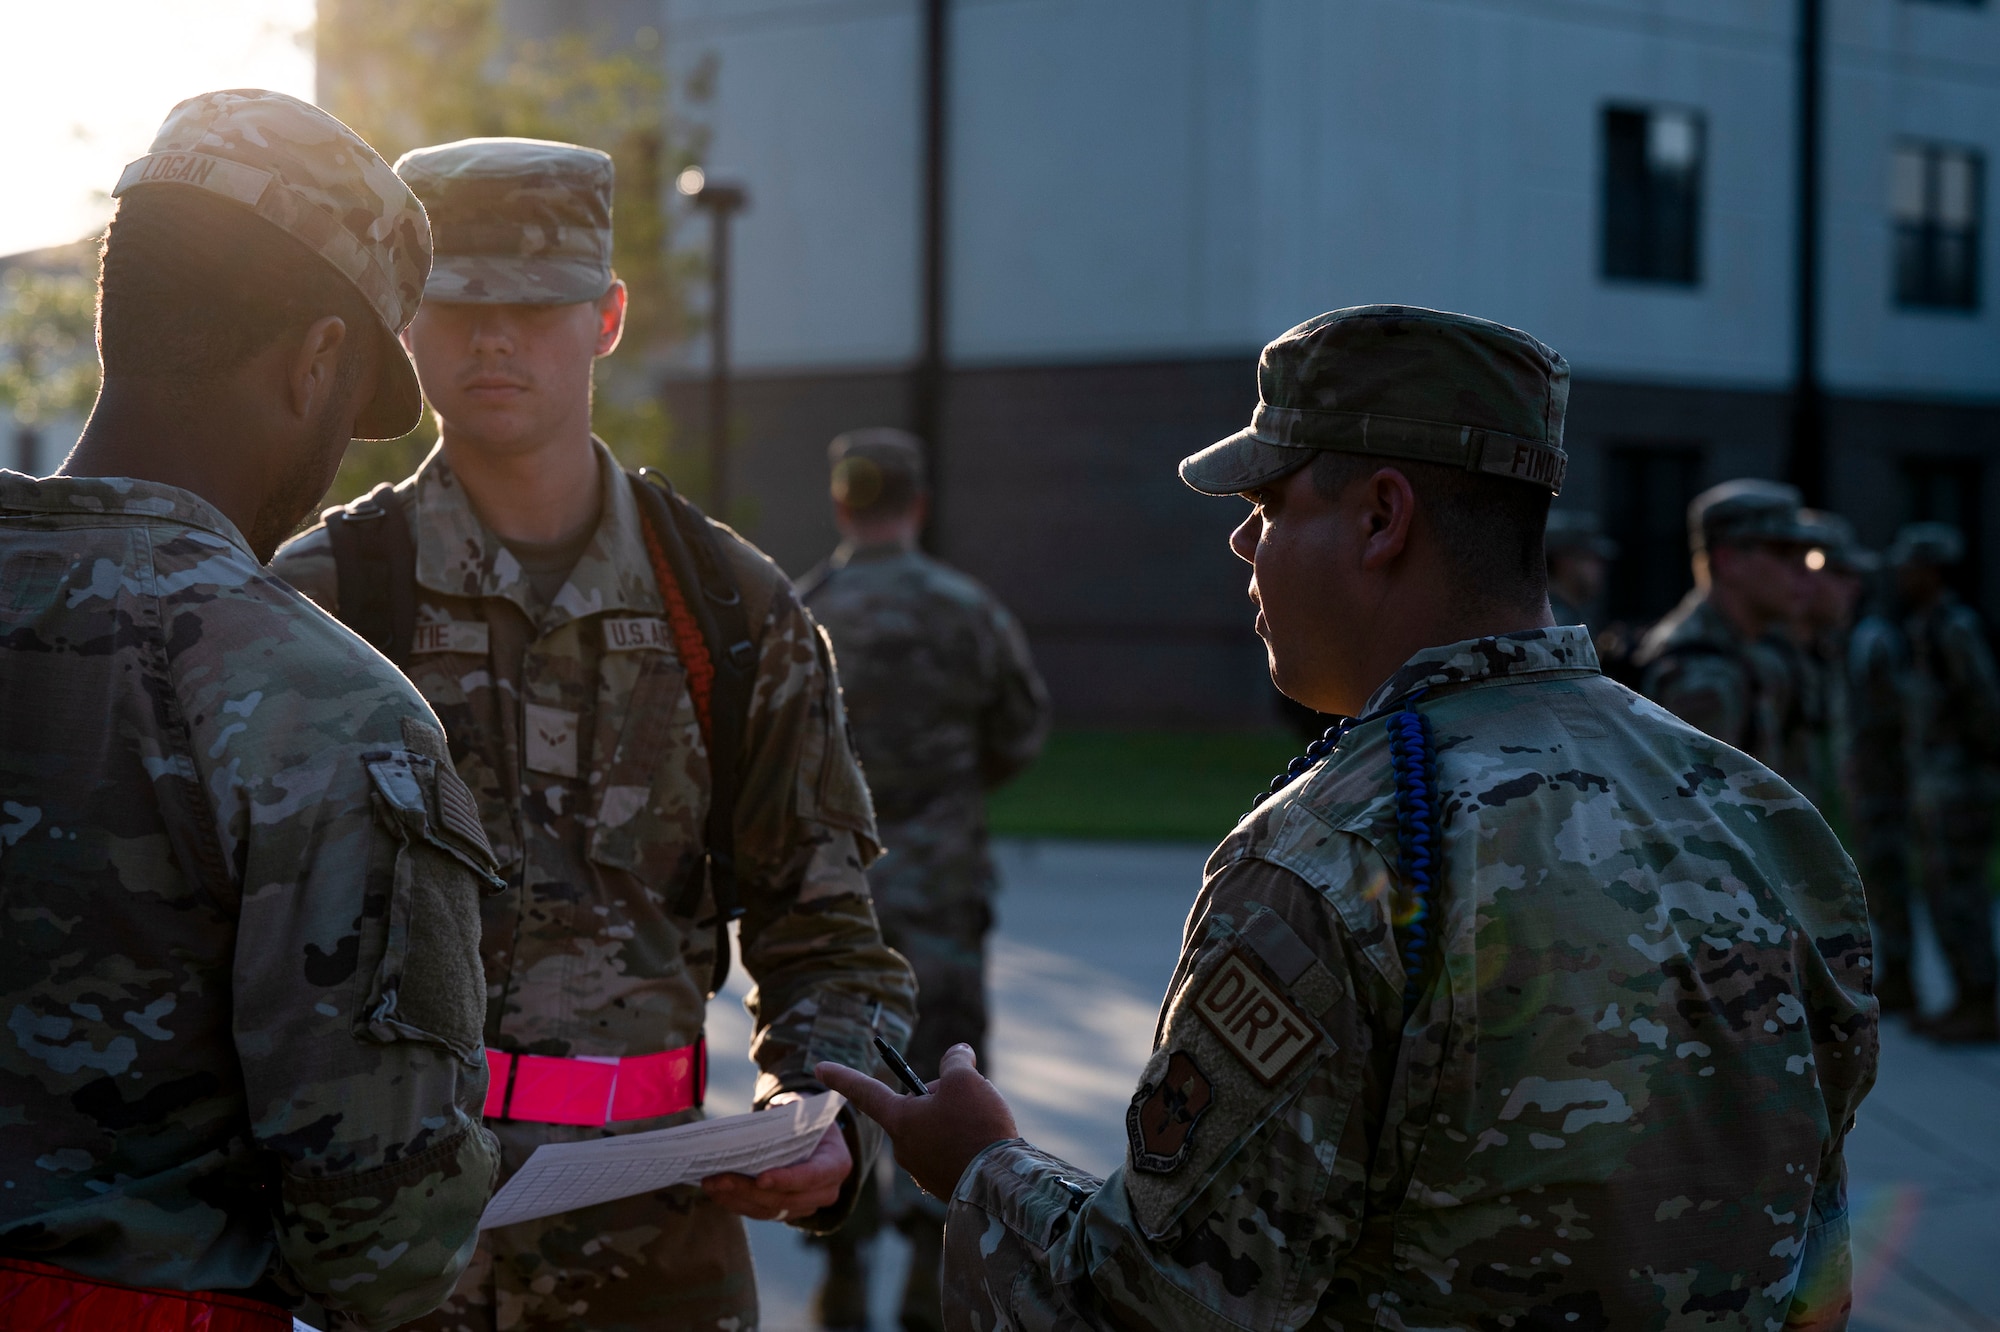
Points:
(901, 1068)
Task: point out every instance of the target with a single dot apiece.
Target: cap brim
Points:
(1243, 462)
(485, 279)
(398, 403)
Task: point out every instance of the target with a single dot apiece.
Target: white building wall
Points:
(817, 111)
(1153, 178)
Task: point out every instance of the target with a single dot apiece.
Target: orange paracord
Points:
(686, 630)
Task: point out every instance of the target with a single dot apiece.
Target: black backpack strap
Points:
(375, 563)
(813, 579)
(699, 566)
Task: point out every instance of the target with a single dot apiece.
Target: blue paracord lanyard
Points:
(1420, 850)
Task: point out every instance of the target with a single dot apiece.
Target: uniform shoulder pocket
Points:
(1239, 1045)
(429, 985)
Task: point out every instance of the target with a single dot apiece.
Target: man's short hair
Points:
(191, 286)
(878, 472)
(1491, 528)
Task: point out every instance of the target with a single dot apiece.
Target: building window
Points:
(1647, 490)
(1934, 199)
(1652, 194)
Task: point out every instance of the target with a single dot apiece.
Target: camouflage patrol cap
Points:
(1834, 535)
(1571, 530)
(879, 467)
(1746, 512)
(313, 178)
(518, 221)
(1397, 381)
(1936, 544)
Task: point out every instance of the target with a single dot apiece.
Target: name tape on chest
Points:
(637, 634)
(448, 636)
(1255, 1019)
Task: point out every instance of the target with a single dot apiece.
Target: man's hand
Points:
(936, 1136)
(787, 1193)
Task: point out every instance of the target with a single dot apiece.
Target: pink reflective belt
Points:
(546, 1089)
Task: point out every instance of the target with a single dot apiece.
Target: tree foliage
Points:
(48, 369)
(408, 75)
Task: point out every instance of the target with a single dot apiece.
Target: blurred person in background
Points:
(946, 705)
(1951, 726)
(640, 771)
(241, 877)
(1877, 780)
(1471, 1013)
(1837, 567)
(1579, 556)
(1718, 660)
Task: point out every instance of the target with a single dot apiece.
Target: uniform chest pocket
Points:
(1237, 1050)
(459, 687)
(652, 793)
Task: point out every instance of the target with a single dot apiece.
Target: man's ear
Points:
(315, 366)
(1388, 511)
(611, 318)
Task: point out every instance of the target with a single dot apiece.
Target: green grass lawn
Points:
(1147, 785)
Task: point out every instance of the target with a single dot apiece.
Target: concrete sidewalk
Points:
(1087, 937)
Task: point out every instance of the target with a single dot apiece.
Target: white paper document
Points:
(562, 1176)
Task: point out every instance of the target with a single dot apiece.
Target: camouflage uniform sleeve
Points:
(1834, 983)
(1248, 1140)
(1707, 690)
(1016, 719)
(306, 562)
(358, 989)
(825, 980)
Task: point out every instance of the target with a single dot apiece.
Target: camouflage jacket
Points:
(240, 888)
(1696, 666)
(1951, 704)
(945, 704)
(1646, 940)
(573, 726)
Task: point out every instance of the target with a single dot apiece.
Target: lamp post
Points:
(928, 383)
(719, 200)
(1806, 464)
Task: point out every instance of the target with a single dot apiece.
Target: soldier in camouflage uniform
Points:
(1951, 725)
(242, 882)
(946, 705)
(543, 639)
(1514, 1099)
(1837, 569)
(1721, 660)
(1578, 553)
(1878, 791)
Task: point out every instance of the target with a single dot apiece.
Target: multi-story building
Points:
(1138, 193)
